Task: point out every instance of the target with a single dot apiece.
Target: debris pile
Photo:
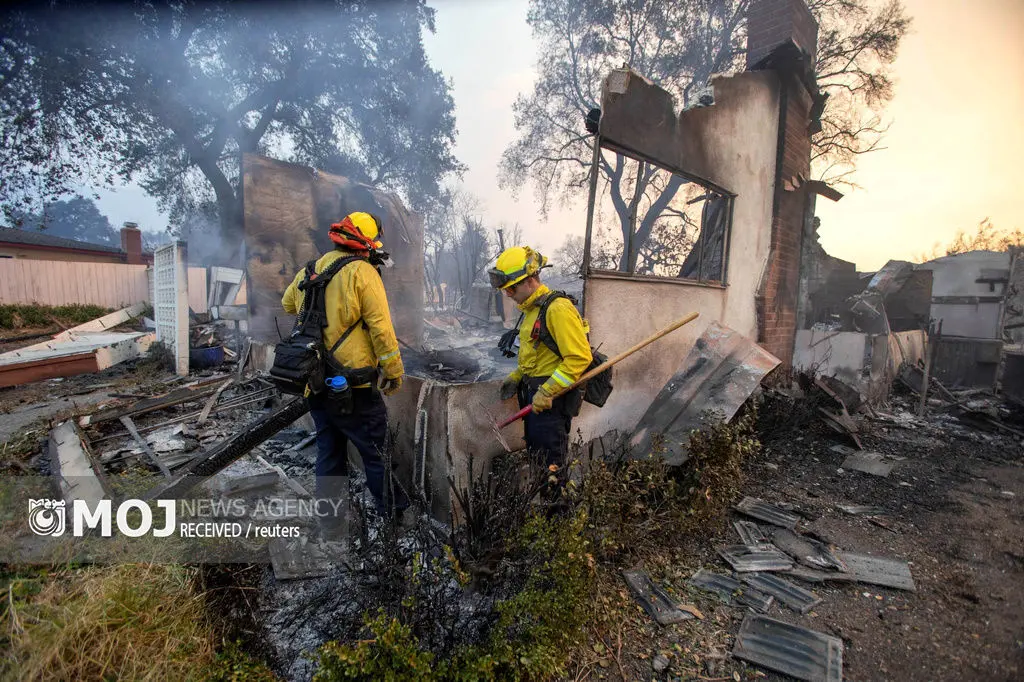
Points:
(775, 548)
(458, 348)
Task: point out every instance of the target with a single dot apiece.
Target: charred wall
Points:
(738, 137)
(287, 210)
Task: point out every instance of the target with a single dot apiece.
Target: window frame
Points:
(604, 273)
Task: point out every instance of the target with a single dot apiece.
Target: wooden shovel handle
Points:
(607, 363)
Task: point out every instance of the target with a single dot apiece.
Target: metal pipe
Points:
(585, 269)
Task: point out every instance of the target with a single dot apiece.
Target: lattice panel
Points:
(170, 302)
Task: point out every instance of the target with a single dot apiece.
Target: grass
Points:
(19, 316)
(125, 622)
(27, 442)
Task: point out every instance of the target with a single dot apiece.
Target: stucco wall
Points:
(739, 136)
(955, 276)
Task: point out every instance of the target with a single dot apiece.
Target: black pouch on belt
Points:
(341, 402)
(568, 403)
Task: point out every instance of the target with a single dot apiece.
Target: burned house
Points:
(746, 152)
(862, 328)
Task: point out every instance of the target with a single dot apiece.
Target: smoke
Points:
(207, 244)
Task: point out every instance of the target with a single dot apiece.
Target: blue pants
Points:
(367, 428)
(547, 433)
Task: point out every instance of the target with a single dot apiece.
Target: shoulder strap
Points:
(313, 315)
(335, 267)
(544, 336)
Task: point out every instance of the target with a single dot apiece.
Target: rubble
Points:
(745, 558)
(793, 596)
(716, 378)
(869, 463)
(75, 353)
(769, 513)
(809, 552)
(790, 649)
(878, 571)
(653, 599)
(729, 589)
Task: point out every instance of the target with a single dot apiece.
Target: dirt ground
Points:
(953, 511)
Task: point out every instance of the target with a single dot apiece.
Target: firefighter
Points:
(364, 348)
(543, 374)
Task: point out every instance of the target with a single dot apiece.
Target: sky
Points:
(952, 155)
(955, 148)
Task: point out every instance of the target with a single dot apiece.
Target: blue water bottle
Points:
(339, 396)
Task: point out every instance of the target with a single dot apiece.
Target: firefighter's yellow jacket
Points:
(355, 293)
(570, 333)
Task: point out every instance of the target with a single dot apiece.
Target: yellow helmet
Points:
(514, 265)
(358, 231)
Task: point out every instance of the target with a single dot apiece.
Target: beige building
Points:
(36, 245)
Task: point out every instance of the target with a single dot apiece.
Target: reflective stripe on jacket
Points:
(570, 333)
(356, 292)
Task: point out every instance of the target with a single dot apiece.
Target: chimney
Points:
(131, 243)
(771, 23)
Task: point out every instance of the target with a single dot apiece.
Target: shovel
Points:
(600, 368)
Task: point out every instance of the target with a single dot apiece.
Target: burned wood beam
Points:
(130, 425)
(175, 397)
(230, 449)
(212, 401)
(226, 406)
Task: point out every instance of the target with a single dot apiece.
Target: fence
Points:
(111, 285)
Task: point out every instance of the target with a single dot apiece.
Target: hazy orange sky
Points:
(956, 146)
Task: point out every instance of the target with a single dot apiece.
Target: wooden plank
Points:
(43, 288)
(175, 397)
(130, 426)
(7, 266)
(119, 281)
(96, 291)
(965, 300)
(128, 349)
(103, 323)
(212, 401)
(21, 287)
(197, 290)
(38, 370)
(69, 458)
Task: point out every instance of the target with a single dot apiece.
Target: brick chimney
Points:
(771, 23)
(131, 243)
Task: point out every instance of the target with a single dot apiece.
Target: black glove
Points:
(509, 387)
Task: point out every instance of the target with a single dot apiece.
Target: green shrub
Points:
(545, 568)
(640, 505)
(15, 316)
(232, 664)
(393, 655)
